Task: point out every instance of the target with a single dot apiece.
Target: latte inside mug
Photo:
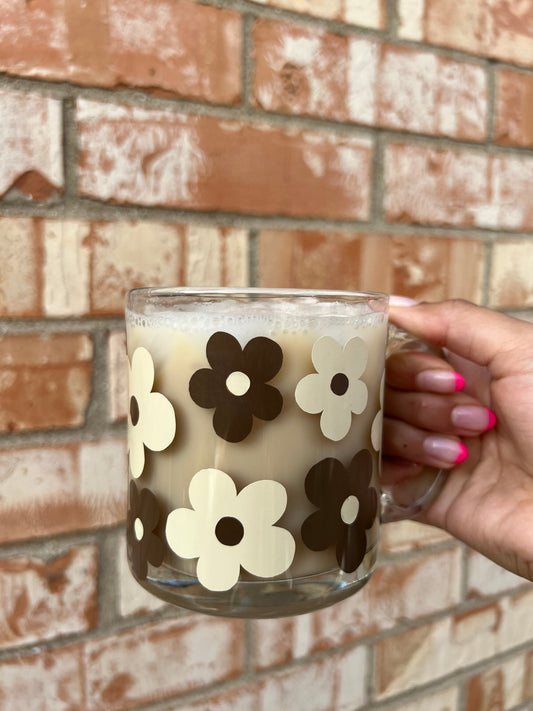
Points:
(254, 439)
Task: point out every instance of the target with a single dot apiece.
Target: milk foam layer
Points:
(248, 319)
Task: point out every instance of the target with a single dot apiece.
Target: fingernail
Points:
(472, 417)
(440, 381)
(402, 301)
(445, 449)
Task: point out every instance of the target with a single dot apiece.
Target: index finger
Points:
(473, 332)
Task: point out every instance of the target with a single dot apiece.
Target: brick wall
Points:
(384, 144)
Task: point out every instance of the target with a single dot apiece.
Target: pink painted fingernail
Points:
(445, 449)
(395, 300)
(473, 417)
(440, 381)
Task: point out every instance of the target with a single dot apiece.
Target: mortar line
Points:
(248, 65)
(91, 210)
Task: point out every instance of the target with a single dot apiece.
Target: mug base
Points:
(260, 599)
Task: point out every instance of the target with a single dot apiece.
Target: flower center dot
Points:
(138, 529)
(238, 383)
(134, 410)
(350, 509)
(339, 384)
(229, 531)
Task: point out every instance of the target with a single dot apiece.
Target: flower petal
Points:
(325, 484)
(219, 569)
(232, 419)
(157, 422)
(355, 357)
(335, 421)
(155, 550)
(185, 531)
(318, 533)
(224, 353)
(213, 493)
(148, 509)
(311, 393)
(206, 388)
(136, 453)
(375, 432)
(356, 396)
(351, 548)
(359, 473)
(368, 508)
(141, 372)
(268, 553)
(266, 401)
(261, 504)
(327, 356)
(262, 358)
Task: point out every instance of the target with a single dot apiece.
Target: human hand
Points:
(484, 432)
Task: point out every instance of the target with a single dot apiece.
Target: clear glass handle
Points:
(410, 496)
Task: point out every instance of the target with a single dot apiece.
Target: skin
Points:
(487, 500)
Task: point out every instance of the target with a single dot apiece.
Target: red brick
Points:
(500, 29)
(301, 70)
(125, 255)
(501, 688)
(56, 489)
(399, 591)
(20, 276)
(48, 681)
(336, 684)
(63, 268)
(42, 599)
(161, 660)
(514, 109)
(45, 380)
(31, 159)
(132, 155)
(510, 274)
(464, 188)
(367, 13)
(181, 48)
(424, 268)
(133, 598)
(487, 578)
(426, 653)
(410, 536)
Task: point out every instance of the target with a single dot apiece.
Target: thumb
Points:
(473, 332)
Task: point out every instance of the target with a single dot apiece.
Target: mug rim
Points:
(147, 292)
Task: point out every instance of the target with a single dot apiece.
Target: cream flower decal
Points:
(335, 389)
(377, 423)
(226, 530)
(151, 419)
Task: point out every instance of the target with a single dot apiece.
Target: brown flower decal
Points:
(347, 507)
(235, 385)
(144, 546)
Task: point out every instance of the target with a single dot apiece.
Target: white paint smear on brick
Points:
(18, 287)
(408, 81)
(453, 644)
(411, 16)
(320, 8)
(31, 138)
(362, 75)
(66, 268)
(149, 156)
(364, 12)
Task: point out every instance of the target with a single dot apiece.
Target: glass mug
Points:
(254, 438)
